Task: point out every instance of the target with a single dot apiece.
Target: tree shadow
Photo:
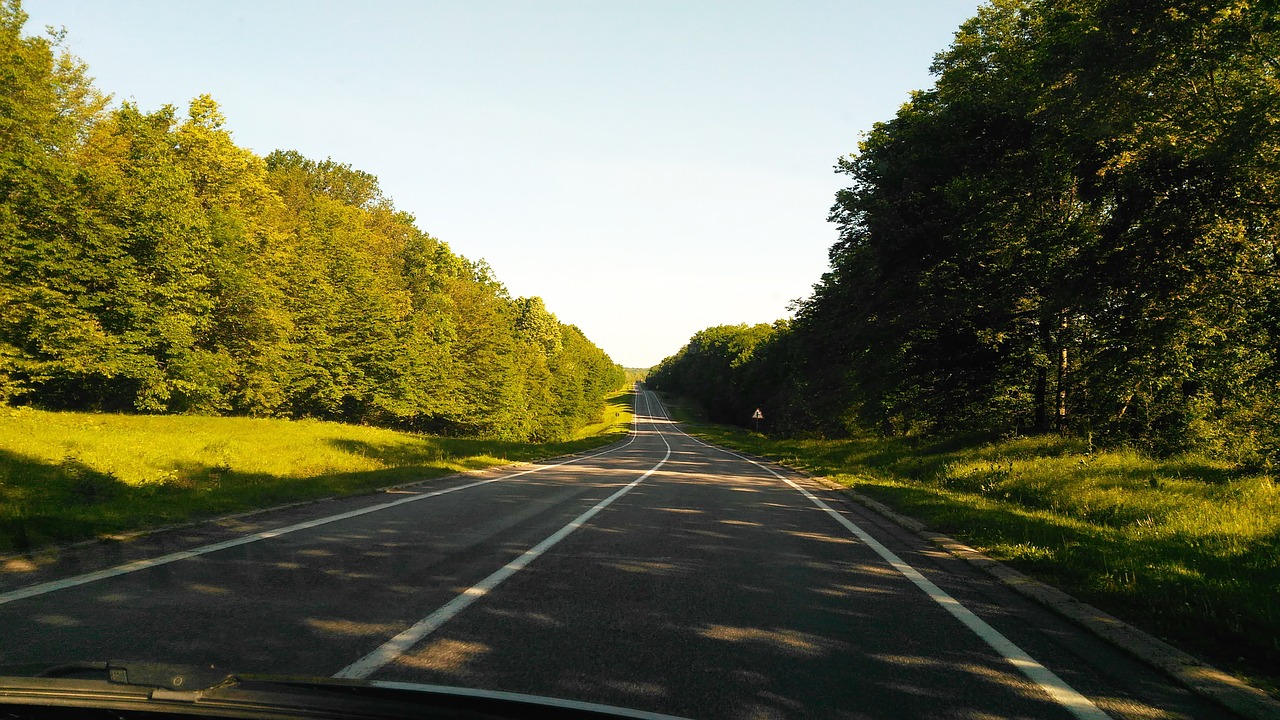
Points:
(1216, 599)
(43, 502)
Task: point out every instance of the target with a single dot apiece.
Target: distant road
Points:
(659, 574)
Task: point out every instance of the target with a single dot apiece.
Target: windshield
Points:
(534, 353)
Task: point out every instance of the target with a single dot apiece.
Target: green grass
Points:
(69, 476)
(1187, 547)
(614, 422)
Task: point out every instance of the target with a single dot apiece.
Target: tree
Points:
(148, 263)
(708, 370)
(1072, 230)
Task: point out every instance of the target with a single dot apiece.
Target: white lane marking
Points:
(1057, 688)
(54, 585)
(401, 643)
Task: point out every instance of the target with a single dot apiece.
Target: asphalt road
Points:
(659, 574)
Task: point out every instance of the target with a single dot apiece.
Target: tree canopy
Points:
(148, 263)
(1072, 230)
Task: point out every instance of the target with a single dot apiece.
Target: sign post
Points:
(757, 416)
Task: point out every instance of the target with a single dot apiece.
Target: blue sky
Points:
(649, 168)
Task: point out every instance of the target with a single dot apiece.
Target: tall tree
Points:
(148, 263)
(1073, 229)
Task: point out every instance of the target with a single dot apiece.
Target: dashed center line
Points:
(403, 642)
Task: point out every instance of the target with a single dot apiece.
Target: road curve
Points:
(660, 574)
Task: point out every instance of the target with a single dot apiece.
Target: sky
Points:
(649, 168)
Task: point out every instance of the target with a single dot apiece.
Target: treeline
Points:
(148, 263)
(1073, 230)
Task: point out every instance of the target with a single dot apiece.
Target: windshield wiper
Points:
(189, 678)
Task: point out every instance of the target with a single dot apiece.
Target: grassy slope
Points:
(1188, 547)
(68, 476)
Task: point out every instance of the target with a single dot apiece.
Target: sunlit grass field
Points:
(1187, 547)
(69, 476)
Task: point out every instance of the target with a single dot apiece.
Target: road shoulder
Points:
(1189, 671)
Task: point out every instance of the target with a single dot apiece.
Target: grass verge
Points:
(69, 476)
(1187, 548)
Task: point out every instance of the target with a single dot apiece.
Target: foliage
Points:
(1073, 230)
(1071, 237)
(148, 263)
(705, 370)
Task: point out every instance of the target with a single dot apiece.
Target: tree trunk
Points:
(1042, 370)
(1042, 399)
(1061, 420)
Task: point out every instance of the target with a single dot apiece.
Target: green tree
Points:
(149, 263)
(47, 105)
(710, 371)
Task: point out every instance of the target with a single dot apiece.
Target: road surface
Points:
(659, 574)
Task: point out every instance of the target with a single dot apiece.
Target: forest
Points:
(1074, 230)
(149, 264)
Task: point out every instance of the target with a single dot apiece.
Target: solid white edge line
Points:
(55, 585)
(1057, 688)
(405, 640)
